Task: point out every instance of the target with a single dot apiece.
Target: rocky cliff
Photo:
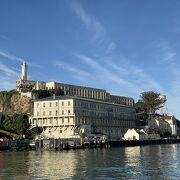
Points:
(21, 104)
(13, 102)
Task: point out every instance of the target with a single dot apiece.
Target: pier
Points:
(58, 144)
(14, 145)
(61, 145)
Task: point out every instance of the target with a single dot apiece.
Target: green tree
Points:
(8, 124)
(21, 123)
(47, 93)
(18, 123)
(150, 102)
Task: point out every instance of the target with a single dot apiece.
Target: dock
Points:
(65, 144)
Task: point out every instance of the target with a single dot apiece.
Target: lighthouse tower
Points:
(24, 72)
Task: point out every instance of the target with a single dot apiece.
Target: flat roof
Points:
(80, 98)
(78, 86)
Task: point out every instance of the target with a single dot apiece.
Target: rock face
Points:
(21, 104)
(15, 103)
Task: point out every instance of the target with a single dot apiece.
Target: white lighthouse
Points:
(24, 72)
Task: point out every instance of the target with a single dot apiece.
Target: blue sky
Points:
(124, 46)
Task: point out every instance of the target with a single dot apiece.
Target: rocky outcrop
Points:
(14, 102)
(21, 104)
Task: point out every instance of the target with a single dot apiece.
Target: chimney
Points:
(54, 96)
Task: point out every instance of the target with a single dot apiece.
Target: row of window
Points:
(102, 114)
(98, 122)
(52, 122)
(49, 113)
(106, 122)
(50, 104)
(91, 105)
(91, 93)
(84, 92)
(85, 113)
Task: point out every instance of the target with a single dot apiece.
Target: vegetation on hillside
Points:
(47, 93)
(16, 123)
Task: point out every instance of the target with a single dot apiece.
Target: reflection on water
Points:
(141, 162)
(52, 164)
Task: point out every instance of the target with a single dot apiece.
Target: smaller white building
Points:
(166, 123)
(133, 134)
(169, 124)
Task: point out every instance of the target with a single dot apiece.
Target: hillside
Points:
(13, 102)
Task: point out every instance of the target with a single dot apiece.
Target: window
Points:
(44, 113)
(44, 105)
(60, 131)
(62, 103)
(50, 112)
(62, 112)
(56, 103)
(68, 111)
(37, 105)
(34, 121)
(56, 112)
(50, 104)
(37, 113)
(50, 121)
(68, 103)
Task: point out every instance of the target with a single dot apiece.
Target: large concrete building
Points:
(23, 84)
(66, 116)
(90, 93)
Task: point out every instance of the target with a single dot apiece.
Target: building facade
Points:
(66, 116)
(80, 91)
(23, 85)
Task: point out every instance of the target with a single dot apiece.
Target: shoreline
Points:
(51, 144)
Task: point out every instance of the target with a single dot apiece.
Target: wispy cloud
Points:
(128, 77)
(10, 56)
(79, 73)
(105, 74)
(119, 69)
(98, 32)
(169, 59)
(7, 71)
(85, 18)
(7, 77)
(141, 78)
(168, 55)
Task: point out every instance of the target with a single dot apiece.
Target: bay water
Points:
(139, 162)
